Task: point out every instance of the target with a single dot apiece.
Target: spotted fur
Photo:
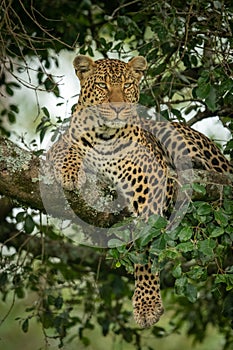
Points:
(107, 135)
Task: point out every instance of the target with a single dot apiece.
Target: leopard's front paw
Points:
(66, 166)
(70, 180)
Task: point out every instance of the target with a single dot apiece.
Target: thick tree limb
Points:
(20, 180)
(45, 248)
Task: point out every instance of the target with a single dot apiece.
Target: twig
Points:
(122, 6)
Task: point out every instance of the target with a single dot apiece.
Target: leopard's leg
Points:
(147, 302)
(65, 165)
(147, 197)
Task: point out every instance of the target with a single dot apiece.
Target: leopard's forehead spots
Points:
(116, 71)
(111, 65)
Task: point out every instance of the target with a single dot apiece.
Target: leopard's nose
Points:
(117, 106)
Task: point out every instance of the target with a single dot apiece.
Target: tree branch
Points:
(21, 180)
(86, 258)
(223, 112)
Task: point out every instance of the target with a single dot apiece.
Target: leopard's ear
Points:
(83, 66)
(138, 64)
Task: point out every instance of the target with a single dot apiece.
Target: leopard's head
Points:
(110, 84)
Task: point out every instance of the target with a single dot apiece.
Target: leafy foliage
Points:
(189, 51)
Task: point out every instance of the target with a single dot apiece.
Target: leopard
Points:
(107, 135)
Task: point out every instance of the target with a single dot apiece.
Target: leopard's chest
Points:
(112, 159)
(121, 162)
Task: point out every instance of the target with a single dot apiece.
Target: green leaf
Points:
(86, 341)
(194, 60)
(207, 246)
(211, 99)
(221, 279)
(158, 245)
(160, 223)
(11, 117)
(152, 229)
(3, 278)
(114, 242)
(204, 209)
(170, 254)
(58, 302)
(203, 90)
(20, 216)
(47, 320)
(46, 112)
(51, 85)
(25, 325)
(146, 239)
(159, 69)
(199, 188)
(120, 35)
(229, 146)
(228, 306)
(51, 299)
(185, 234)
(29, 224)
(114, 253)
(42, 133)
(177, 113)
(221, 217)
(185, 247)
(177, 271)
(9, 91)
(191, 292)
(137, 258)
(55, 135)
(162, 33)
(90, 51)
(218, 231)
(14, 108)
(20, 293)
(180, 284)
(197, 273)
(226, 279)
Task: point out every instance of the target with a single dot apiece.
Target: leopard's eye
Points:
(127, 85)
(102, 85)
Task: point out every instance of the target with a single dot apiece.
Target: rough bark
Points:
(21, 179)
(20, 184)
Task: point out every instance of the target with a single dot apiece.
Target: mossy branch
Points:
(21, 180)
